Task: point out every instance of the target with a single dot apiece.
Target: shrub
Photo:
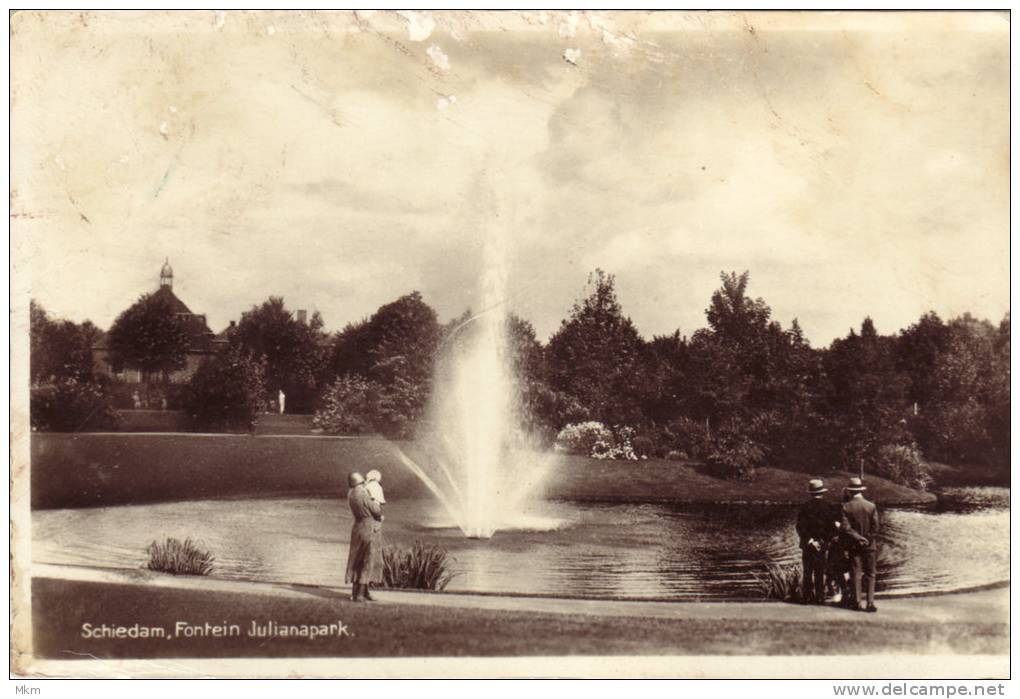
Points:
(903, 464)
(689, 437)
(401, 407)
(178, 558)
(581, 437)
(597, 441)
(421, 567)
(780, 582)
(70, 405)
(736, 449)
(228, 391)
(643, 446)
(737, 458)
(350, 405)
(617, 446)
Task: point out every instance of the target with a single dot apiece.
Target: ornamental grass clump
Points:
(779, 581)
(421, 567)
(179, 558)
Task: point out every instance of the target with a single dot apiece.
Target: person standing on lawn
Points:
(860, 522)
(815, 524)
(364, 559)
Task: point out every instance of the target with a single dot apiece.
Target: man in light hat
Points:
(364, 558)
(860, 522)
(815, 522)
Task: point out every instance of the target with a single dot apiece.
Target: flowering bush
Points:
(597, 441)
(581, 437)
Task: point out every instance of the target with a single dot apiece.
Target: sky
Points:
(855, 164)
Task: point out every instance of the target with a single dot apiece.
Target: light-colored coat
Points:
(860, 521)
(364, 560)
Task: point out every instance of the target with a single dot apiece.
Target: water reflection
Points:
(599, 550)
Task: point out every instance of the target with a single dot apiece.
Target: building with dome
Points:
(203, 343)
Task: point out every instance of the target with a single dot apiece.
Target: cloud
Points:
(853, 172)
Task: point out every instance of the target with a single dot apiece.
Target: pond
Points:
(640, 551)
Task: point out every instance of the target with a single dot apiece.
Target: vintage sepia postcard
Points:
(510, 344)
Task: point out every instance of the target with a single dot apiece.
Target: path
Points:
(985, 605)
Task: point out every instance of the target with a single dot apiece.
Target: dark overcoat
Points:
(364, 559)
(816, 520)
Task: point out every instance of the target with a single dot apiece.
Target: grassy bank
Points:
(61, 607)
(89, 470)
(969, 474)
(656, 480)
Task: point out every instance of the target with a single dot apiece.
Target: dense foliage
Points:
(149, 337)
(394, 351)
(59, 349)
(66, 396)
(294, 352)
(350, 405)
(227, 392)
(71, 405)
(738, 394)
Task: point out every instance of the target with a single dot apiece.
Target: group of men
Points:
(839, 542)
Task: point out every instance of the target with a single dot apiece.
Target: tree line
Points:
(739, 393)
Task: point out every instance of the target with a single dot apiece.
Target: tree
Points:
(596, 356)
(998, 394)
(293, 351)
(148, 337)
(60, 349)
(350, 405)
(395, 349)
(666, 359)
(917, 354)
(732, 315)
(227, 391)
(959, 385)
(751, 383)
(866, 396)
(66, 396)
(404, 336)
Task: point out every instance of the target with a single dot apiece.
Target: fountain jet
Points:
(478, 458)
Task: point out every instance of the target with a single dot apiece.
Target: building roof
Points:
(178, 306)
(200, 337)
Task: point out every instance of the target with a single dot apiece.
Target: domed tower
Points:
(166, 275)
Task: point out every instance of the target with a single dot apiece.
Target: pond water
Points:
(581, 549)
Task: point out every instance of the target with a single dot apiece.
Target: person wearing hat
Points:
(815, 522)
(364, 558)
(860, 522)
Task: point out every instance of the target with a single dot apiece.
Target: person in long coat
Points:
(860, 521)
(364, 559)
(816, 522)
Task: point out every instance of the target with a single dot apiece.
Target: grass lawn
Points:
(88, 470)
(970, 474)
(61, 607)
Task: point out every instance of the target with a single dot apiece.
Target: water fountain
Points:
(479, 460)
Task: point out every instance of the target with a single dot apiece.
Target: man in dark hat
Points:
(815, 524)
(860, 522)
